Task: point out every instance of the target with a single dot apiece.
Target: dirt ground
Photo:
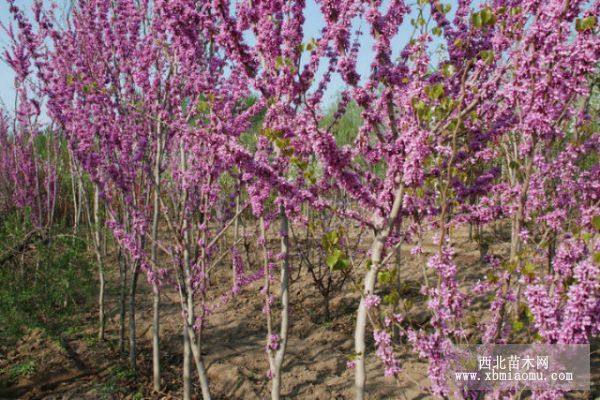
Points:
(76, 365)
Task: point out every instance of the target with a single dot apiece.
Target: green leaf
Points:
(302, 165)
(448, 70)
(529, 315)
(448, 104)
(528, 268)
(282, 143)
(435, 92)
(517, 326)
(333, 258)
(585, 24)
(184, 104)
(596, 222)
(310, 176)
(493, 278)
(511, 266)
(203, 107)
(341, 265)
(487, 56)
(279, 62)
(419, 105)
(487, 17)
(391, 298)
(476, 20)
(288, 151)
(384, 277)
(330, 239)
(422, 110)
(272, 134)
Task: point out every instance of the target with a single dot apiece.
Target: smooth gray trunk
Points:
(156, 339)
(285, 306)
(192, 342)
(154, 258)
(98, 249)
(187, 364)
(360, 376)
(132, 322)
(276, 357)
(122, 299)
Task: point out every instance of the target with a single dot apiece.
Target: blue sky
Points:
(313, 25)
(7, 91)
(314, 22)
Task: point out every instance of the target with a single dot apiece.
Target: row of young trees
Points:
(169, 110)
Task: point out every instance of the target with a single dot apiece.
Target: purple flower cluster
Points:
(385, 352)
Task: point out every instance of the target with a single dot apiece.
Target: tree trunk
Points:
(187, 365)
(102, 323)
(236, 234)
(327, 308)
(396, 329)
(193, 347)
(132, 324)
(398, 269)
(551, 251)
(515, 241)
(360, 376)
(285, 305)
(196, 347)
(154, 260)
(187, 299)
(156, 338)
(122, 299)
(100, 259)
